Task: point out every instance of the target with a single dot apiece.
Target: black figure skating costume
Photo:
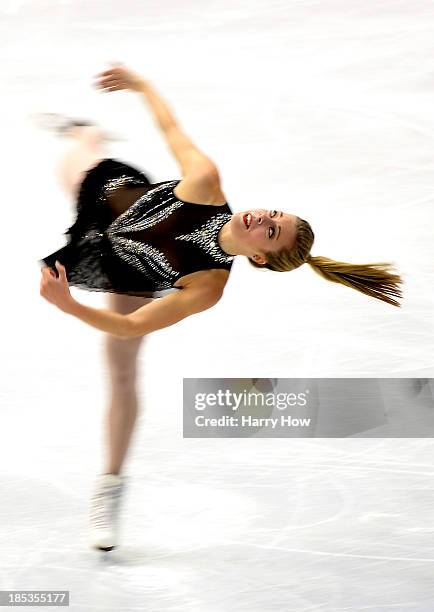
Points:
(137, 238)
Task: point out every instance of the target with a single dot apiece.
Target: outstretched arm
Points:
(155, 315)
(191, 160)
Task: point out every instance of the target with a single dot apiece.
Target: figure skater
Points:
(162, 251)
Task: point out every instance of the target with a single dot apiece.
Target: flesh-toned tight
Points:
(86, 151)
(121, 358)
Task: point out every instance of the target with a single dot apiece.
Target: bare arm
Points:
(104, 320)
(172, 308)
(160, 110)
(190, 158)
(155, 315)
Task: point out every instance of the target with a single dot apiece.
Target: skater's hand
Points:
(56, 290)
(118, 77)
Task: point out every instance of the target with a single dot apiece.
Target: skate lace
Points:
(105, 504)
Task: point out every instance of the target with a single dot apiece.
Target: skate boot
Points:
(104, 511)
(63, 126)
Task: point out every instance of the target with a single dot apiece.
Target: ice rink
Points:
(323, 109)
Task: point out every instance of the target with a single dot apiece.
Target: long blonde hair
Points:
(374, 279)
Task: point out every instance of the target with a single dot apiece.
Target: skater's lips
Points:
(247, 220)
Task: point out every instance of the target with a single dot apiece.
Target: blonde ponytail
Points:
(375, 279)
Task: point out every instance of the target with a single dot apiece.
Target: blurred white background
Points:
(324, 109)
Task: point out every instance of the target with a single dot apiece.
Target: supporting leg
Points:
(121, 355)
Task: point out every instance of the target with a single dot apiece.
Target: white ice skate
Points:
(104, 511)
(62, 125)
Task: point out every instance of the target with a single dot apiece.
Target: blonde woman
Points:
(163, 252)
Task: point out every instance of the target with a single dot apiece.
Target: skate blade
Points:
(103, 548)
(58, 125)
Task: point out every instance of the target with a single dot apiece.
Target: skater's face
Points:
(260, 230)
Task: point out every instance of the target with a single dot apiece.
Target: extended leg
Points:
(86, 151)
(121, 355)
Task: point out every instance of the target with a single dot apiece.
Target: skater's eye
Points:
(271, 230)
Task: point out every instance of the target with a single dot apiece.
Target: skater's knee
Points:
(122, 373)
(123, 380)
(122, 360)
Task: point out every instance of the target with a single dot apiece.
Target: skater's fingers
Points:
(107, 72)
(110, 82)
(107, 77)
(61, 270)
(104, 77)
(110, 88)
(114, 70)
(114, 88)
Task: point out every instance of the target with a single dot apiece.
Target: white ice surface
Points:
(324, 108)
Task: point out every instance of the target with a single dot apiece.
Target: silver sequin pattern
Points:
(146, 259)
(137, 218)
(206, 237)
(114, 183)
(142, 256)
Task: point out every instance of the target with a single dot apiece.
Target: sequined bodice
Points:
(164, 238)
